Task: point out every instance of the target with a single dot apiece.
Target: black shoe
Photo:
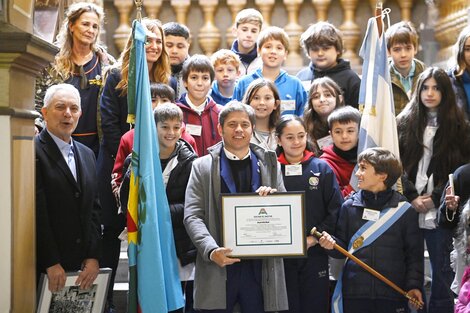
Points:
(110, 308)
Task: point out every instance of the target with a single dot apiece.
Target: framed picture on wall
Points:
(73, 299)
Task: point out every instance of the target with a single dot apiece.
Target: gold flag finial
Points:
(138, 3)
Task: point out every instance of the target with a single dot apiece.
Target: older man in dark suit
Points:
(68, 229)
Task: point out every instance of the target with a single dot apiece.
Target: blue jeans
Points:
(439, 245)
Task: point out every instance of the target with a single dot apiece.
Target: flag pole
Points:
(369, 269)
(138, 4)
(378, 16)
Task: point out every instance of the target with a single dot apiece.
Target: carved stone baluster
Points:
(266, 8)
(321, 9)
(181, 8)
(209, 34)
(124, 8)
(294, 30)
(351, 32)
(235, 7)
(152, 7)
(405, 7)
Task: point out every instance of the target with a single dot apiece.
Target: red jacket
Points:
(209, 135)
(125, 148)
(342, 168)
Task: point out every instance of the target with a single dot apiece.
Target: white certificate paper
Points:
(255, 226)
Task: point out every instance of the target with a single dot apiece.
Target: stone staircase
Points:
(121, 284)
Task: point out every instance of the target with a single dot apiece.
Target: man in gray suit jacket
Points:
(232, 166)
(68, 230)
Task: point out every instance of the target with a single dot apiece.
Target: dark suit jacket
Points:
(68, 228)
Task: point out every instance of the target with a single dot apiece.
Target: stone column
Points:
(405, 7)
(294, 30)
(152, 8)
(351, 32)
(454, 16)
(209, 34)
(235, 7)
(321, 9)
(266, 8)
(124, 8)
(181, 8)
(22, 57)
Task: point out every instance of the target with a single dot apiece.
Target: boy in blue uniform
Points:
(227, 70)
(273, 46)
(379, 227)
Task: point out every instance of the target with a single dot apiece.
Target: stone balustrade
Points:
(211, 21)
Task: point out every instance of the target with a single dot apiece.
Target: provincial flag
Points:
(154, 285)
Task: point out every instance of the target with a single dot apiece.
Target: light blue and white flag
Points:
(378, 125)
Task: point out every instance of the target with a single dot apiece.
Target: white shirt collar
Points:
(232, 156)
(200, 108)
(63, 146)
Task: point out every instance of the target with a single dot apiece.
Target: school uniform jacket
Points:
(68, 227)
(341, 167)
(322, 196)
(397, 253)
(209, 118)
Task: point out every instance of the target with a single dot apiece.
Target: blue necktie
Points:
(71, 163)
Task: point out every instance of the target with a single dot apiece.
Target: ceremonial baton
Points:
(369, 269)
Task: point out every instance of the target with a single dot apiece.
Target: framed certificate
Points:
(73, 299)
(255, 226)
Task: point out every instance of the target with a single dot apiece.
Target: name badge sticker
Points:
(194, 130)
(370, 215)
(287, 105)
(294, 170)
(325, 142)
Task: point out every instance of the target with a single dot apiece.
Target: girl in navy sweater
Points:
(307, 279)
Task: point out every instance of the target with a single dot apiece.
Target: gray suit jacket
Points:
(202, 218)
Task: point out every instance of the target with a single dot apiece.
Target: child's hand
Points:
(421, 203)
(452, 201)
(415, 293)
(326, 241)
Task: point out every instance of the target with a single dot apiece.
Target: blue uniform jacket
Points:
(398, 253)
(322, 195)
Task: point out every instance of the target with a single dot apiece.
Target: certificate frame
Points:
(270, 226)
(92, 300)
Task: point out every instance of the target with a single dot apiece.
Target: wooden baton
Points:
(369, 269)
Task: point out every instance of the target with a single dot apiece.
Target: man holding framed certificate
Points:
(232, 166)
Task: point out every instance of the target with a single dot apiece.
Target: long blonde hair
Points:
(160, 71)
(63, 60)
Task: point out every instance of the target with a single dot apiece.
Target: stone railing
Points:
(210, 21)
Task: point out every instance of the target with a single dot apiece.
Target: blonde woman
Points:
(80, 62)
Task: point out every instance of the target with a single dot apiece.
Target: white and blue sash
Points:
(366, 235)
